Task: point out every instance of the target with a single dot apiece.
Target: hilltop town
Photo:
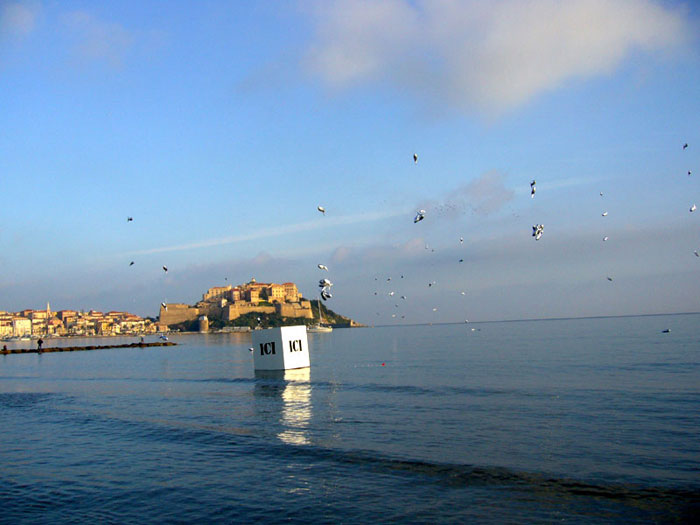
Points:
(44, 323)
(232, 305)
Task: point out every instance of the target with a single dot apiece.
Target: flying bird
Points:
(326, 294)
(685, 146)
(163, 337)
(415, 158)
(689, 173)
(601, 193)
(606, 238)
(461, 240)
(391, 293)
(131, 263)
(609, 278)
(461, 260)
(165, 269)
(533, 188)
(420, 215)
(321, 209)
(537, 230)
(129, 219)
(697, 254)
(463, 293)
(404, 297)
(322, 267)
(165, 306)
(325, 283)
(605, 214)
(693, 208)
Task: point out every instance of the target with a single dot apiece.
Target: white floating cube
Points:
(281, 348)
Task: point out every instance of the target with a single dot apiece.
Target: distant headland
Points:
(250, 305)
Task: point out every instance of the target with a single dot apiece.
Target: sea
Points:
(553, 421)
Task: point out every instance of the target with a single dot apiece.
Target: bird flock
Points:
(537, 233)
(325, 284)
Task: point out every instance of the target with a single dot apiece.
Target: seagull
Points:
(537, 230)
(606, 238)
(696, 253)
(420, 215)
(165, 306)
(415, 158)
(601, 193)
(693, 208)
(165, 268)
(322, 267)
(533, 189)
(434, 309)
(129, 219)
(689, 173)
(325, 283)
(321, 209)
(463, 293)
(461, 260)
(609, 278)
(685, 146)
(404, 297)
(461, 240)
(388, 279)
(392, 293)
(131, 263)
(605, 214)
(250, 349)
(326, 294)
(163, 337)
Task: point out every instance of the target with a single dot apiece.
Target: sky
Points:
(221, 126)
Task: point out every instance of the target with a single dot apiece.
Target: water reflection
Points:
(293, 387)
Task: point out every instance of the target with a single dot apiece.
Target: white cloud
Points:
(18, 18)
(488, 56)
(96, 40)
(484, 195)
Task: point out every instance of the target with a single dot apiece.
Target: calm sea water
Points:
(576, 421)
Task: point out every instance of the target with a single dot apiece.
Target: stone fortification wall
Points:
(177, 313)
(232, 311)
(302, 309)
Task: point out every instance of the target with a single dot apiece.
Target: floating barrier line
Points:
(81, 348)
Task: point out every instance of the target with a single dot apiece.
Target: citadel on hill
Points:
(227, 303)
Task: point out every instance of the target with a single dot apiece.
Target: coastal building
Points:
(44, 323)
(21, 326)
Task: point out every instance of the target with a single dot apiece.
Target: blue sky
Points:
(219, 127)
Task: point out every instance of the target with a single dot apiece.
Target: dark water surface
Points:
(575, 421)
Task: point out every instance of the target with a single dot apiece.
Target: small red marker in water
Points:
(383, 364)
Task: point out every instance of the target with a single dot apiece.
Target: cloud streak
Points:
(487, 56)
(320, 223)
